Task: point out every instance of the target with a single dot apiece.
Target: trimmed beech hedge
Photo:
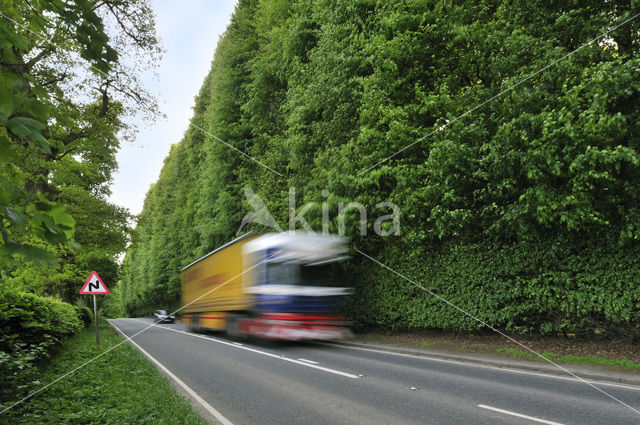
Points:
(559, 285)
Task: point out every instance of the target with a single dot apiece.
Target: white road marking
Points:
(253, 350)
(519, 415)
(472, 364)
(178, 381)
(309, 361)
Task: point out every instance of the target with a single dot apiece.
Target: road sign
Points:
(94, 286)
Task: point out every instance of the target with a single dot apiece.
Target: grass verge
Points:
(121, 387)
(587, 360)
(598, 353)
(424, 343)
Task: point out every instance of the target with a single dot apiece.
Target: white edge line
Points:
(475, 364)
(253, 350)
(519, 415)
(308, 361)
(178, 381)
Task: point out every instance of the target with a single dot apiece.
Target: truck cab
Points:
(296, 293)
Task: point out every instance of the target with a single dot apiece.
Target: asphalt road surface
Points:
(250, 382)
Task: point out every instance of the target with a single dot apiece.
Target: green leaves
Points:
(14, 217)
(31, 327)
(11, 38)
(58, 140)
(49, 223)
(57, 146)
(28, 128)
(6, 103)
(62, 221)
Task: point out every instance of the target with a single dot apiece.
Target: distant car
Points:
(164, 317)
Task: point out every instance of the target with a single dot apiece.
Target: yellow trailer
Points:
(212, 287)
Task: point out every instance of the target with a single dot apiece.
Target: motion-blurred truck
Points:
(276, 286)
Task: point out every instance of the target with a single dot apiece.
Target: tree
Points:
(66, 97)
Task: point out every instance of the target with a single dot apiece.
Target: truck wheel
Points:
(232, 327)
(194, 324)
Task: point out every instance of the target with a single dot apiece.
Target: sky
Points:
(189, 31)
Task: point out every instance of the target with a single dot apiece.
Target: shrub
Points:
(84, 314)
(31, 326)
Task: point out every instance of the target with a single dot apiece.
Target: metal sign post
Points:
(94, 286)
(95, 316)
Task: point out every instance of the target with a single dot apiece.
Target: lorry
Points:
(276, 286)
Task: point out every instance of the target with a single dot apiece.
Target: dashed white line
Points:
(253, 350)
(519, 415)
(219, 416)
(484, 366)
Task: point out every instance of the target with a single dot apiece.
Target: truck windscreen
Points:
(289, 274)
(281, 273)
(320, 275)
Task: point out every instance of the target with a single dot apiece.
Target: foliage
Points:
(112, 304)
(545, 286)
(523, 211)
(122, 378)
(84, 314)
(66, 98)
(31, 326)
(64, 101)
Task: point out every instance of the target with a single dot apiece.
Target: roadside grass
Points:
(588, 360)
(121, 387)
(449, 344)
(367, 338)
(424, 343)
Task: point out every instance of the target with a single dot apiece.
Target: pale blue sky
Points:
(189, 30)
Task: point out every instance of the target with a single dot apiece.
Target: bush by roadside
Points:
(31, 326)
(84, 314)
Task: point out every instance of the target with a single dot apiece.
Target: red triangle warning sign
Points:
(94, 286)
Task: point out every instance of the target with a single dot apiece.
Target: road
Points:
(269, 383)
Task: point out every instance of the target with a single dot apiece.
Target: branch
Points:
(124, 28)
(66, 141)
(56, 80)
(105, 98)
(43, 53)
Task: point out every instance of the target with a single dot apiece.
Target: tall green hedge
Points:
(550, 286)
(524, 211)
